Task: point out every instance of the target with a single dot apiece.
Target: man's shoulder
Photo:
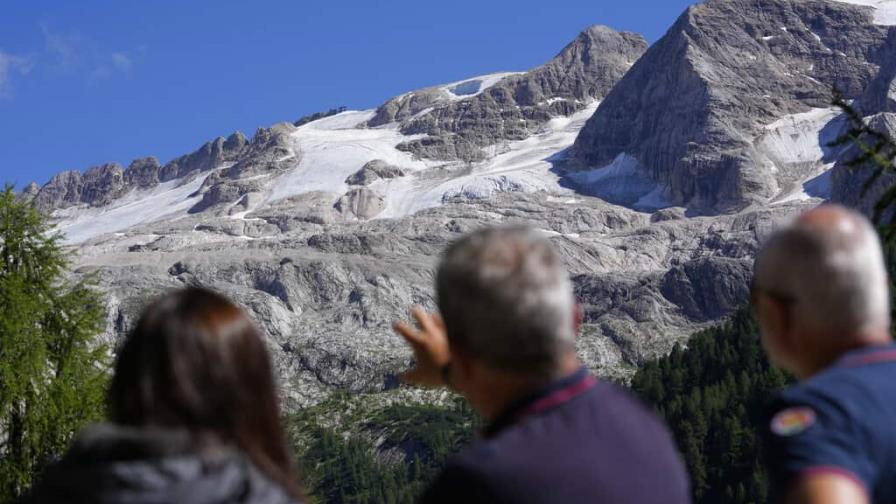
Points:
(575, 435)
(845, 387)
(603, 445)
(839, 420)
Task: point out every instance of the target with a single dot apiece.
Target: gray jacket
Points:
(110, 464)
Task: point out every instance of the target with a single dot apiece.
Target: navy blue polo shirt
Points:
(577, 440)
(840, 421)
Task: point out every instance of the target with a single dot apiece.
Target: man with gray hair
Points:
(820, 291)
(506, 341)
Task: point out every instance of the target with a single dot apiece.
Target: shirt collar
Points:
(868, 355)
(548, 397)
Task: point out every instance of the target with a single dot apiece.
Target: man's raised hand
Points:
(430, 345)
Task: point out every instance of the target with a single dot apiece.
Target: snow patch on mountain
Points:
(800, 138)
(167, 200)
(622, 182)
(798, 146)
(819, 187)
(884, 10)
(472, 87)
(521, 166)
(333, 148)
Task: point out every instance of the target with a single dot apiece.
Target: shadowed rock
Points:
(690, 109)
(373, 171)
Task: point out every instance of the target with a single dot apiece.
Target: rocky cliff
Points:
(878, 106)
(691, 113)
(515, 106)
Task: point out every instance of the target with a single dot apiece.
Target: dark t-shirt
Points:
(841, 421)
(578, 440)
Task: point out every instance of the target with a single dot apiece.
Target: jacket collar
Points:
(868, 355)
(545, 399)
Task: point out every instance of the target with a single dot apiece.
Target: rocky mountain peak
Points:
(691, 111)
(143, 173)
(513, 107)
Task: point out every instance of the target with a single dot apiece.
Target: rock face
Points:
(878, 104)
(143, 173)
(209, 156)
(98, 186)
(849, 182)
(515, 106)
(691, 109)
(880, 96)
(361, 203)
(326, 293)
(373, 171)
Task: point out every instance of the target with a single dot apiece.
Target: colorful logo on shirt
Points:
(793, 421)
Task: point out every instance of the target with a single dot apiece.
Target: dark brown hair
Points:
(196, 361)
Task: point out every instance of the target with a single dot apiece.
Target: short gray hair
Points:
(836, 271)
(507, 299)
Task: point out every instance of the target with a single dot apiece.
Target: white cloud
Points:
(69, 51)
(11, 64)
(65, 48)
(122, 61)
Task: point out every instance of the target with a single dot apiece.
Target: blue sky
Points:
(86, 82)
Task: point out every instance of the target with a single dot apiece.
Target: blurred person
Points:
(194, 416)
(506, 341)
(821, 295)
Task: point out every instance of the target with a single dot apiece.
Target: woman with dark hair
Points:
(194, 411)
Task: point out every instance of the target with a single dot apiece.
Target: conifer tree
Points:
(52, 371)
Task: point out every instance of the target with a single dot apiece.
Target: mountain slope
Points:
(691, 113)
(513, 106)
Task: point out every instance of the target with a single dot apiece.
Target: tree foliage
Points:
(713, 396)
(387, 457)
(52, 372)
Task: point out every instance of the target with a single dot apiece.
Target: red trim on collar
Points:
(557, 397)
(869, 358)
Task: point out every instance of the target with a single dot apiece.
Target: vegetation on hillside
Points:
(713, 396)
(354, 451)
(52, 371)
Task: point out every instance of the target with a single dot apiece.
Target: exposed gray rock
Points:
(29, 192)
(373, 171)
(691, 107)
(63, 190)
(708, 288)
(880, 96)
(102, 184)
(96, 187)
(878, 104)
(218, 190)
(265, 154)
(516, 106)
(325, 289)
(143, 173)
(361, 203)
(407, 105)
(211, 155)
(848, 182)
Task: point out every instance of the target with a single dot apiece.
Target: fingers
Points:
(411, 334)
(425, 320)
